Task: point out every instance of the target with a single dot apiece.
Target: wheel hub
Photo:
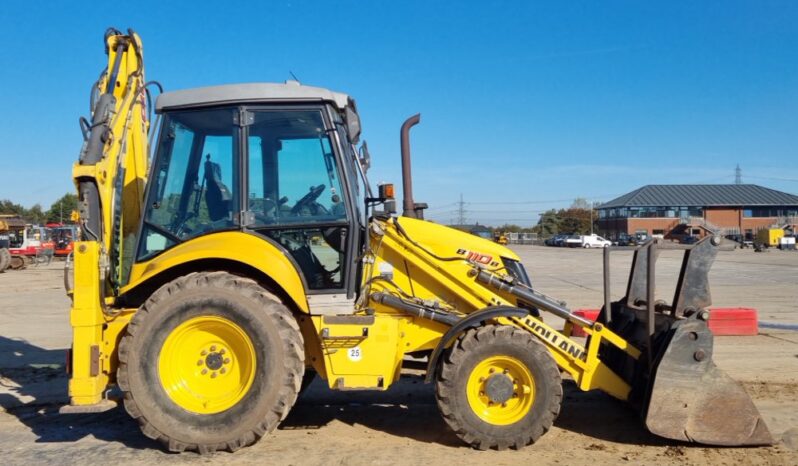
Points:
(499, 388)
(214, 361)
(207, 364)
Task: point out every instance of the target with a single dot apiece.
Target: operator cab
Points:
(273, 160)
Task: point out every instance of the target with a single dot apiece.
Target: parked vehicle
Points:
(595, 241)
(689, 240)
(573, 241)
(625, 239)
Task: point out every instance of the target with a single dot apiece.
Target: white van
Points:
(595, 241)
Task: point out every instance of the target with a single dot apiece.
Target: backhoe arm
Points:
(110, 176)
(111, 172)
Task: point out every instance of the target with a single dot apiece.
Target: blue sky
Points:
(524, 105)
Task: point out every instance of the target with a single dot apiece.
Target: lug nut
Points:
(504, 405)
(213, 348)
(506, 371)
(492, 370)
(515, 395)
(482, 379)
(203, 353)
(226, 360)
(699, 355)
(222, 351)
(204, 371)
(199, 363)
(213, 375)
(481, 393)
(223, 370)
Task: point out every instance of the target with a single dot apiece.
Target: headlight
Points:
(516, 270)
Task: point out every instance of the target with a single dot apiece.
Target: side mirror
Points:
(352, 123)
(364, 157)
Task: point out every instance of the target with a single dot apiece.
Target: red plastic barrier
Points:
(591, 314)
(733, 321)
(723, 321)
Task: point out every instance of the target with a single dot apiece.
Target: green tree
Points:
(10, 208)
(549, 223)
(575, 220)
(35, 214)
(61, 209)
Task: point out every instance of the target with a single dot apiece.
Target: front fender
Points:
(472, 320)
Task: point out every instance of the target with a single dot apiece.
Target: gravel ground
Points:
(402, 425)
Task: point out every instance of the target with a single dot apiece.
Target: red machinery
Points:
(62, 237)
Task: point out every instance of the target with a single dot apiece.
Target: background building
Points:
(675, 211)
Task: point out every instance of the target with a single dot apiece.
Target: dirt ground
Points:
(402, 425)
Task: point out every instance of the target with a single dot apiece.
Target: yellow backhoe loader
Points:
(248, 251)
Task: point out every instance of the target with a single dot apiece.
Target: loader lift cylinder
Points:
(531, 297)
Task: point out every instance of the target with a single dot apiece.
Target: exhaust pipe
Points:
(408, 204)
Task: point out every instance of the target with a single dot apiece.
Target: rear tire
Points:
(243, 379)
(5, 259)
(17, 262)
(499, 387)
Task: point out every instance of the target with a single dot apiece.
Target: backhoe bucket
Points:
(690, 399)
(676, 386)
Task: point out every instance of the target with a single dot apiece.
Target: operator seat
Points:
(217, 196)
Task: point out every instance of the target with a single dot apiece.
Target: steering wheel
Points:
(308, 199)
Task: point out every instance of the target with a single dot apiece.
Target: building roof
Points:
(703, 195)
(250, 92)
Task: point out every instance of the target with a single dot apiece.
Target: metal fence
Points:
(522, 238)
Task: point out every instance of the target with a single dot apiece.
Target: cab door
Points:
(297, 198)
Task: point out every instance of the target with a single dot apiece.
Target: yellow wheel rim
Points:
(207, 364)
(501, 390)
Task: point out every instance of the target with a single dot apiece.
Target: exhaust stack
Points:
(409, 207)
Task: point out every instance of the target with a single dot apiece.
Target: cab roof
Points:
(291, 91)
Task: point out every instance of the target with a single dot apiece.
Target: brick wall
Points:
(727, 218)
(723, 218)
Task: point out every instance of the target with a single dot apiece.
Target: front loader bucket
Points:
(690, 399)
(676, 386)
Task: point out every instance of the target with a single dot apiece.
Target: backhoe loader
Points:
(234, 246)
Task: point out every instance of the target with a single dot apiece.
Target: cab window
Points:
(194, 185)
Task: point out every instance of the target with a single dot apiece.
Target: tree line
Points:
(575, 220)
(59, 212)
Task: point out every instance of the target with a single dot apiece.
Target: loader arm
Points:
(110, 176)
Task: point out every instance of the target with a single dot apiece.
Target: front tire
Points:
(499, 387)
(210, 362)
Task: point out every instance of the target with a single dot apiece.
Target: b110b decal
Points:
(477, 257)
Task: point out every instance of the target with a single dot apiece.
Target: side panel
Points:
(241, 247)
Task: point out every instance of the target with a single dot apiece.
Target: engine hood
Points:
(446, 241)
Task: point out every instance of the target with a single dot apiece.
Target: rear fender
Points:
(252, 251)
